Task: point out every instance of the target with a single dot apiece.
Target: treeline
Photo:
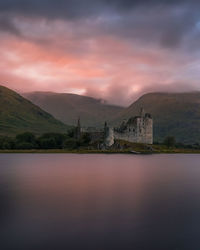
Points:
(28, 140)
(170, 142)
(68, 141)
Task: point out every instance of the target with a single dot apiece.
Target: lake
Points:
(99, 202)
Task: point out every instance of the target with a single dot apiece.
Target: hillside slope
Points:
(19, 115)
(68, 107)
(175, 114)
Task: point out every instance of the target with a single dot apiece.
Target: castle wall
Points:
(140, 131)
(149, 131)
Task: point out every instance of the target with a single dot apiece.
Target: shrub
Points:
(170, 141)
(7, 142)
(51, 141)
(26, 137)
(71, 143)
(25, 145)
(47, 143)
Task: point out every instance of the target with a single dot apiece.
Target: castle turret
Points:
(106, 130)
(78, 130)
(142, 112)
(105, 127)
(108, 135)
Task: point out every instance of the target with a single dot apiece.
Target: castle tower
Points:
(148, 129)
(142, 112)
(105, 129)
(108, 135)
(78, 130)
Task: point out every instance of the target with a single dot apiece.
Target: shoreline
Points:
(62, 151)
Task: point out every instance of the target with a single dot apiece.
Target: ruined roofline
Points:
(148, 115)
(134, 118)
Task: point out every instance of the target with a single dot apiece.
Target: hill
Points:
(68, 107)
(19, 115)
(175, 114)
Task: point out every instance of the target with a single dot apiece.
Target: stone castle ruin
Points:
(138, 129)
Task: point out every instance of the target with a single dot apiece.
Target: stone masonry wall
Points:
(140, 131)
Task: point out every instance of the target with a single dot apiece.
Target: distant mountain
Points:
(174, 114)
(68, 107)
(19, 115)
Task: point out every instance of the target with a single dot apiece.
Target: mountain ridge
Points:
(67, 107)
(174, 114)
(18, 115)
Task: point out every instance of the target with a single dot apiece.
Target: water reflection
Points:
(100, 202)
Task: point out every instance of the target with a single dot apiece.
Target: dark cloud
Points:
(133, 3)
(167, 27)
(113, 49)
(7, 25)
(166, 22)
(80, 8)
(50, 8)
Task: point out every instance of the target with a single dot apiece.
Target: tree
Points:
(25, 145)
(71, 143)
(51, 141)
(26, 140)
(47, 143)
(170, 141)
(71, 133)
(7, 142)
(85, 139)
(26, 137)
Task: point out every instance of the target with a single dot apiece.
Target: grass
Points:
(157, 149)
(65, 151)
(160, 149)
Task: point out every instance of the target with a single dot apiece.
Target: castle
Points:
(138, 129)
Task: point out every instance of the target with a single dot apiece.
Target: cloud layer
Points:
(111, 49)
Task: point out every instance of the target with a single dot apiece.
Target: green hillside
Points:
(19, 115)
(68, 107)
(175, 114)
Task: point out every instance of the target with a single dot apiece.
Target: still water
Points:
(99, 202)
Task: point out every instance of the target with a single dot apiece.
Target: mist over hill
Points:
(19, 115)
(68, 107)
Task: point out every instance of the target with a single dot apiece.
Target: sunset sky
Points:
(110, 49)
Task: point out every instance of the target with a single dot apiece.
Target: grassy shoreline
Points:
(63, 151)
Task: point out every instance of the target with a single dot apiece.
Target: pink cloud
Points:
(102, 66)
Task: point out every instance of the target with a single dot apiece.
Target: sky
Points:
(116, 50)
